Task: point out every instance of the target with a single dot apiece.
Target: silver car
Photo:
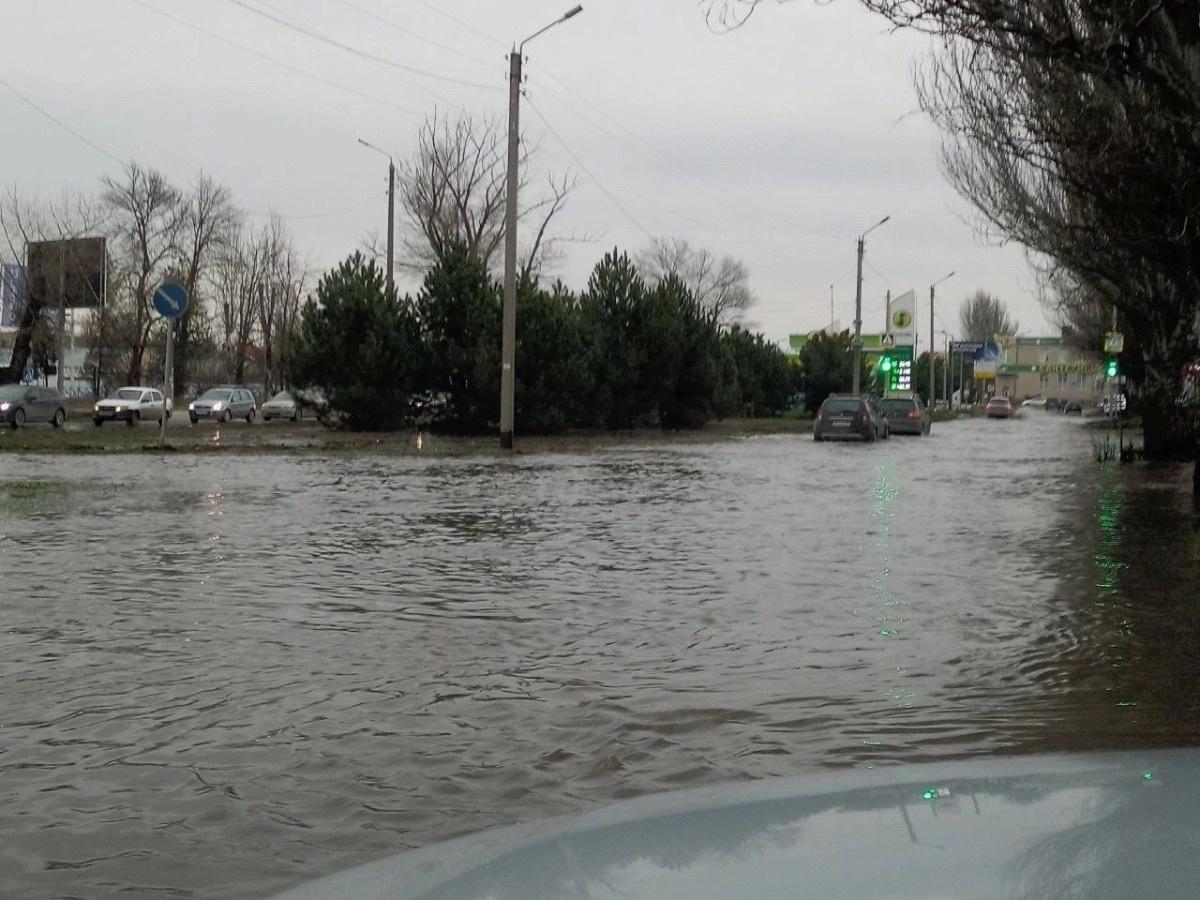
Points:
(223, 404)
(282, 406)
(21, 403)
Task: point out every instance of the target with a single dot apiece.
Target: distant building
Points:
(1048, 367)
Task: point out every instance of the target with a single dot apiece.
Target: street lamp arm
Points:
(574, 11)
(371, 146)
(873, 227)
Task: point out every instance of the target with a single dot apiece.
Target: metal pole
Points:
(887, 312)
(391, 262)
(946, 370)
(961, 372)
(858, 322)
(509, 338)
(62, 312)
(932, 348)
(166, 391)
(831, 307)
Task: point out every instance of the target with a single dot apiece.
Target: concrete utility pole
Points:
(391, 230)
(858, 310)
(62, 312)
(933, 340)
(946, 367)
(508, 342)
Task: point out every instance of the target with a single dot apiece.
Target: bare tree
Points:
(26, 218)
(278, 298)
(146, 214)
(238, 277)
(453, 191)
(208, 221)
(719, 283)
(983, 316)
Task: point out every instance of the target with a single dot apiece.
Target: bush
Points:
(357, 344)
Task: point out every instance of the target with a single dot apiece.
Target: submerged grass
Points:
(300, 438)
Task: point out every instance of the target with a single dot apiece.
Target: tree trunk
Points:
(23, 346)
(183, 350)
(1168, 432)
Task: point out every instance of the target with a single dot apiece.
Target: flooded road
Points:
(223, 675)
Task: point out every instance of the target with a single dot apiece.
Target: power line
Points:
(363, 54)
(571, 153)
(63, 125)
(459, 22)
(320, 215)
(275, 62)
(420, 37)
(674, 166)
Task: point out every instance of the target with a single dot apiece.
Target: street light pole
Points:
(933, 341)
(857, 376)
(391, 231)
(508, 340)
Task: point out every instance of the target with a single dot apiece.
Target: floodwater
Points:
(223, 675)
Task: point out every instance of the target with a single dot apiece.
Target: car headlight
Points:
(120, 409)
(219, 405)
(4, 407)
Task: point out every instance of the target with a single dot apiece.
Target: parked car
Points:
(1072, 407)
(427, 406)
(1035, 402)
(130, 405)
(223, 404)
(25, 403)
(999, 408)
(906, 415)
(847, 417)
(282, 406)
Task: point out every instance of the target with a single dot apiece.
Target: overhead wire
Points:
(673, 165)
(462, 24)
(366, 55)
(257, 214)
(61, 124)
(571, 153)
(402, 29)
(276, 62)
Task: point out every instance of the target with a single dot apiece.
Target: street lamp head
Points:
(574, 12)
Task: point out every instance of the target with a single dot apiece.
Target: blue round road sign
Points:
(171, 300)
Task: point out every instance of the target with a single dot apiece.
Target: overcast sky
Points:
(777, 143)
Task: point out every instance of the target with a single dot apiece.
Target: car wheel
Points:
(266, 419)
(226, 416)
(97, 422)
(60, 416)
(135, 419)
(18, 418)
(250, 417)
(193, 419)
(297, 416)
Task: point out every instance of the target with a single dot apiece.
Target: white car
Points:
(282, 406)
(130, 405)
(1035, 402)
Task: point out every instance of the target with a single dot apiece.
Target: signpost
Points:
(971, 347)
(1114, 342)
(170, 302)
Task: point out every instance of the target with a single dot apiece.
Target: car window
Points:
(214, 395)
(282, 396)
(842, 405)
(126, 394)
(897, 406)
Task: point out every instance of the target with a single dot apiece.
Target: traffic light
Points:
(1111, 369)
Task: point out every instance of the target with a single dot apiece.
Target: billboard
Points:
(12, 295)
(902, 319)
(70, 270)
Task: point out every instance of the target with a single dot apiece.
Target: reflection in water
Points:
(327, 660)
